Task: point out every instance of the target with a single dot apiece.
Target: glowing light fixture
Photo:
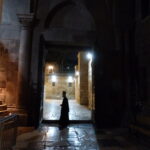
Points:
(54, 78)
(77, 73)
(89, 56)
(70, 79)
(50, 67)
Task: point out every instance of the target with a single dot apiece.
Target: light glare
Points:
(77, 73)
(89, 56)
(50, 67)
(54, 78)
(70, 79)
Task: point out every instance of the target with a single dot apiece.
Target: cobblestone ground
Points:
(76, 137)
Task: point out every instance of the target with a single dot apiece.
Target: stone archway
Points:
(70, 25)
(70, 22)
(70, 15)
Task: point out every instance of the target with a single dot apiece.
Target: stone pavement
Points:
(76, 137)
(77, 112)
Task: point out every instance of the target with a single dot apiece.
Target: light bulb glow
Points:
(70, 79)
(50, 67)
(54, 78)
(89, 56)
(77, 73)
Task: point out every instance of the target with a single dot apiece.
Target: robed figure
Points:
(64, 116)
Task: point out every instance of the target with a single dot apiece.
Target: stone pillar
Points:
(83, 78)
(76, 84)
(24, 59)
(90, 85)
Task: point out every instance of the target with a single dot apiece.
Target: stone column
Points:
(77, 84)
(24, 59)
(83, 78)
(90, 85)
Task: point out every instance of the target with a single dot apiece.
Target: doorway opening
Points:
(68, 69)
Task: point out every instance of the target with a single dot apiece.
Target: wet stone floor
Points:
(77, 112)
(76, 137)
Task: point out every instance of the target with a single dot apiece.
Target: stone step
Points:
(3, 107)
(4, 113)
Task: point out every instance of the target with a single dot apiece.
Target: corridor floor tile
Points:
(74, 137)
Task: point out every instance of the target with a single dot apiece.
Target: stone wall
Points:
(9, 46)
(54, 90)
(11, 8)
(1, 4)
(8, 69)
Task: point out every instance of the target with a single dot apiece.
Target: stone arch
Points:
(71, 15)
(53, 12)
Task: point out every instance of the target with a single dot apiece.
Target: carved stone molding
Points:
(26, 20)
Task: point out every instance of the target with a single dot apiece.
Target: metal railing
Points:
(8, 131)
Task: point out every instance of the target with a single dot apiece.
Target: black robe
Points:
(64, 116)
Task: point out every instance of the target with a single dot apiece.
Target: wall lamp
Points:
(50, 68)
(77, 73)
(70, 79)
(89, 56)
(54, 78)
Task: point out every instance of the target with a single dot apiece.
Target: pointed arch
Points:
(57, 8)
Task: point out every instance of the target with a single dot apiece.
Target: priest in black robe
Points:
(64, 116)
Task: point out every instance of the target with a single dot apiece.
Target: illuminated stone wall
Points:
(84, 81)
(83, 78)
(9, 46)
(77, 96)
(55, 91)
(8, 70)
(90, 86)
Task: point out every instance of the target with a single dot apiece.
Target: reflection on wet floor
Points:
(77, 111)
(74, 137)
(77, 137)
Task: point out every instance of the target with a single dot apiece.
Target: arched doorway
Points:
(69, 29)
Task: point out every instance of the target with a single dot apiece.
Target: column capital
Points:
(26, 20)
